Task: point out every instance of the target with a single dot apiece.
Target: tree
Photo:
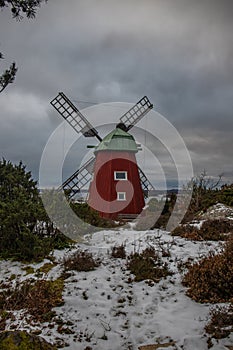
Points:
(19, 8)
(8, 76)
(26, 232)
(20, 208)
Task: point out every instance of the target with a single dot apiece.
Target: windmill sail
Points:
(146, 184)
(136, 113)
(79, 179)
(73, 116)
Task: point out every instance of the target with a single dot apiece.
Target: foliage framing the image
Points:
(26, 232)
(18, 8)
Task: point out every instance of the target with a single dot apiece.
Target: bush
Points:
(91, 216)
(118, 252)
(167, 210)
(59, 241)
(80, 261)
(212, 230)
(207, 192)
(147, 265)
(26, 232)
(211, 279)
(21, 340)
(38, 298)
(221, 322)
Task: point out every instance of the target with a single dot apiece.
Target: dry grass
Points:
(118, 252)
(156, 346)
(212, 230)
(147, 265)
(80, 261)
(221, 322)
(211, 279)
(38, 298)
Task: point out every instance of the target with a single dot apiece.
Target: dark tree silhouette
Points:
(8, 76)
(19, 9)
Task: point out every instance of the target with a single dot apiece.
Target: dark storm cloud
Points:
(178, 52)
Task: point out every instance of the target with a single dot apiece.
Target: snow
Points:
(218, 211)
(109, 311)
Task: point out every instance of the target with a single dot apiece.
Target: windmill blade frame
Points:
(136, 113)
(79, 178)
(146, 184)
(73, 116)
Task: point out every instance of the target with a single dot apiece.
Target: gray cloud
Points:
(178, 52)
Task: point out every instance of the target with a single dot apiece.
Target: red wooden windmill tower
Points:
(118, 185)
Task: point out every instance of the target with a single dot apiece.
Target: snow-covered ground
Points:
(103, 309)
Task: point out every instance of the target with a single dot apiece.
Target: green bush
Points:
(91, 216)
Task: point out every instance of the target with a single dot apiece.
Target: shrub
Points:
(207, 192)
(187, 231)
(167, 210)
(21, 340)
(147, 265)
(212, 230)
(91, 216)
(80, 261)
(215, 229)
(221, 322)
(211, 279)
(59, 241)
(38, 298)
(26, 232)
(118, 252)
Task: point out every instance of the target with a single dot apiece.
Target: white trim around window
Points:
(121, 196)
(120, 175)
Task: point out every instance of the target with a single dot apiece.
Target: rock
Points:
(21, 340)
(217, 211)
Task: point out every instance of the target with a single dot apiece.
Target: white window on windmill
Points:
(120, 175)
(121, 196)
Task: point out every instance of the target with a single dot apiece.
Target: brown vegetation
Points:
(80, 261)
(212, 230)
(147, 265)
(118, 252)
(211, 279)
(38, 298)
(221, 322)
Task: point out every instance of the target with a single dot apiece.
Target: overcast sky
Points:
(177, 52)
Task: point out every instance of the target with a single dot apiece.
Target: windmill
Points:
(118, 185)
